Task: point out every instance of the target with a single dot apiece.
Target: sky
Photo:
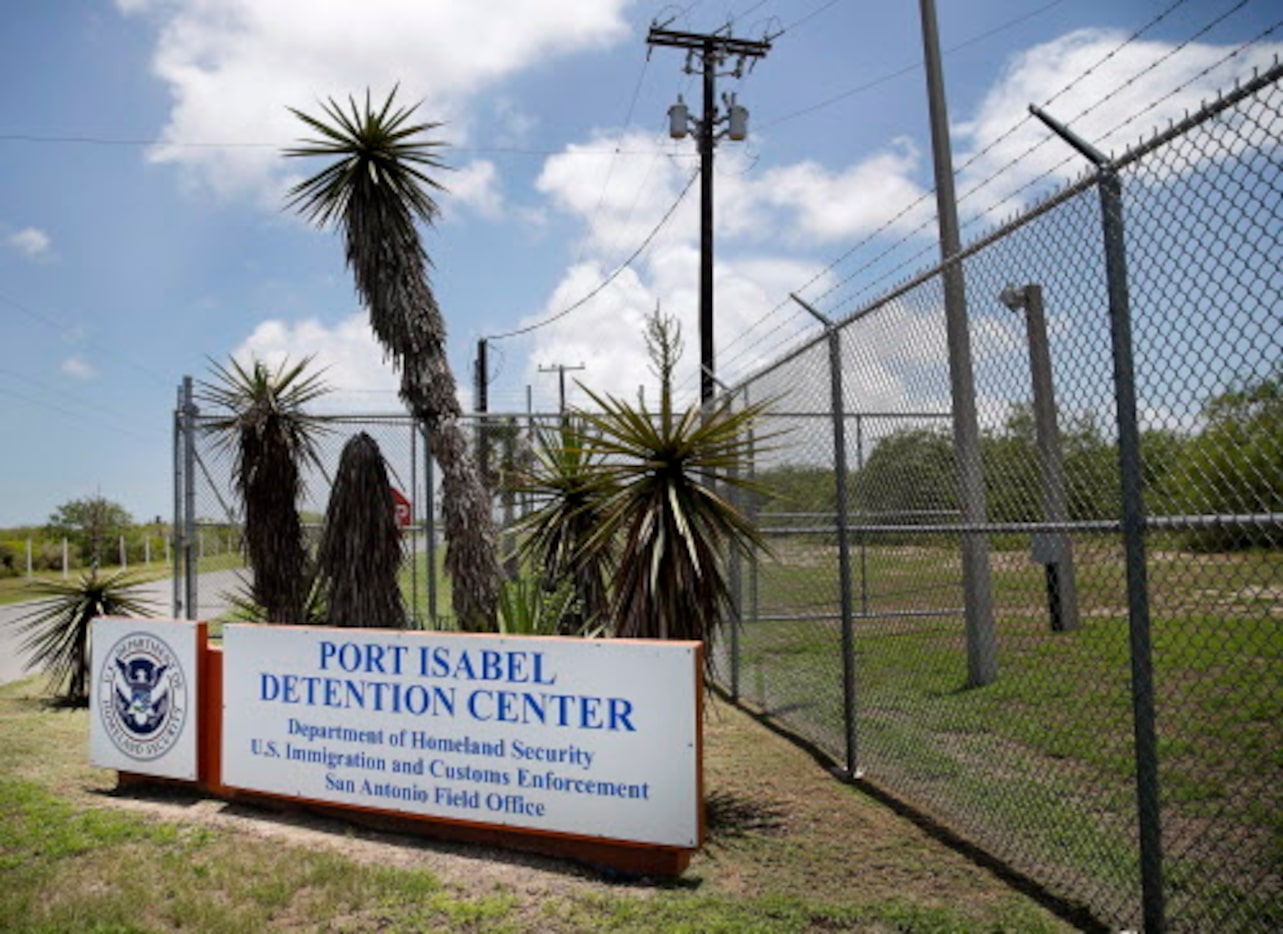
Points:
(144, 233)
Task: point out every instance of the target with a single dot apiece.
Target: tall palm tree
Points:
(262, 421)
(360, 554)
(374, 190)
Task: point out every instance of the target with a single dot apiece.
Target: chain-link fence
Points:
(212, 575)
(1130, 400)
(1086, 682)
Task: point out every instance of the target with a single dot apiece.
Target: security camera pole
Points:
(711, 51)
(1054, 548)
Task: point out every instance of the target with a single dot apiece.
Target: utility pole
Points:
(711, 51)
(481, 404)
(560, 369)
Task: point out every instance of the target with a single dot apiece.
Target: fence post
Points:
(28, 558)
(838, 406)
(735, 573)
(1148, 809)
(412, 528)
(189, 498)
(430, 521)
(861, 535)
(176, 596)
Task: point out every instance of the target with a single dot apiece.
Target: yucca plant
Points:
(57, 627)
(528, 607)
(568, 494)
(664, 518)
(375, 187)
(243, 608)
(360, 554)
(262, 421)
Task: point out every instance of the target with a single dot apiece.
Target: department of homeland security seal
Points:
(142, 696)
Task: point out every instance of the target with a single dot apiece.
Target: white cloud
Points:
(234, 66)
(605, 334)
(857, 200)
(78, 368)
(1128, 94)
(353, 363)
(30, 242)
(620, 202)
(476, 186)
(515, 125)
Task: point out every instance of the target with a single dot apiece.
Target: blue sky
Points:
(142, 229)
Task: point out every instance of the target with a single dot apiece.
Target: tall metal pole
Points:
(982, 656)
(1148, 803)
(1144, 727)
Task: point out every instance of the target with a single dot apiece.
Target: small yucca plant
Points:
(563, 483)
(664, 519)
(57, 628)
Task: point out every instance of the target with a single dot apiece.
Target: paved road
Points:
(210, 587)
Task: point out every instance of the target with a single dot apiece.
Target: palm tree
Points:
(663, 514)
(374, 191)
(360, 554)
(262, 422)
(57, 628)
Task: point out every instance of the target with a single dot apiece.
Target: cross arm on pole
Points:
(729, 45)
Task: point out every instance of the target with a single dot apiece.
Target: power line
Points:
(809, 16)
(907, 69)
(1133, 37)
(78, 139)
(62, 328)
(117, 423)
(610, 278)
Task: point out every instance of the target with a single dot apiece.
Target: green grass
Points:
(414, 586)
(1038, 766)
(789, 849)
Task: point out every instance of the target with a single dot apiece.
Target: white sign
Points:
(143, 700)
(595, 738)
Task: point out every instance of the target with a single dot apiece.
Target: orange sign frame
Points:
(620, 856)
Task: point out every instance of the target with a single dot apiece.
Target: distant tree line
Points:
(92, 526)
(1231, 466)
